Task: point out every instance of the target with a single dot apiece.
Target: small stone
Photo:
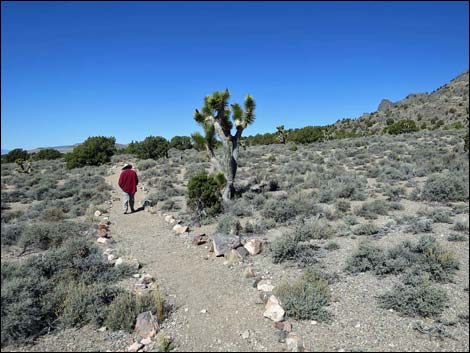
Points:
(248, 272)
(140, 285)
(103, 232)
(246, 334)
(199, 239)
(135, 347)
(253, 246)
(136, 275)
(203, 311)
(147, 279)
(179, 229)
(358, 325)
(273, 310)
(186, 310)
(233, 257)
(146, 341)
(265, 286)
(294, 343)
(313, 322)
(242, 251)
(112, 257)
(118, 262)
(102, 240)
(102, 329)
(97, 213)
(146, 325)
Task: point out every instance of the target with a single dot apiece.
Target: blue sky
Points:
(71, 70)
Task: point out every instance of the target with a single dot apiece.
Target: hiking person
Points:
(128, 183)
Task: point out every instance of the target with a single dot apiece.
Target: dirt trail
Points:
(193, 284)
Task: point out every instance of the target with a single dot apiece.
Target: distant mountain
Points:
(446, 106)
(65, 149)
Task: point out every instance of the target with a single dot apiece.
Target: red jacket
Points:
(128, 181)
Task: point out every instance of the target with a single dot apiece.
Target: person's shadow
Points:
(139, 209)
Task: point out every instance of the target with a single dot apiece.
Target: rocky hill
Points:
(446, 107)
(65, 149)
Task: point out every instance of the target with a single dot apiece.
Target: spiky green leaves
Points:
(250, 106)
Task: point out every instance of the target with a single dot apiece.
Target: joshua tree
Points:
(215, 118)
(281, 134)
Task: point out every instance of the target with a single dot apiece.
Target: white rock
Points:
(102, 240)
(273, 310)
(112, 257)
(265, 286)
(294, 343)
(136, 275)
(102, 329)
(97, 213)
(246, 334)
(146, 341)
(253, 246)
(135, 347)
(203, 311)
(119, 261)
(179, 229)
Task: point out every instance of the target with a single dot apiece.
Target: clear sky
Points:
(71, 70)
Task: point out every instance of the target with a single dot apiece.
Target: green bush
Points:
(15, 154)
(402, 126)
(94, 151)
(122, 313)
(152, 147)
(306, 298)
(203, 195)
(47, 153)
(416, 299)
(181, 143)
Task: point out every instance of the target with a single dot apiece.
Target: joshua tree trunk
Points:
(215, 119)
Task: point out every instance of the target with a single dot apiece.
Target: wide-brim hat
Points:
(126, 166)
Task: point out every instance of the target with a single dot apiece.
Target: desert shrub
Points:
(94, 151)
(46, 235)
(402, 126)
(47, 153)
(342, 206)
(280, 210)
(314, 229)
(241, 208)
(306, 298)
(53, 215)
(394, 193)
(152, 300)
(440, 216)
(84, 304)
(365, 229)
(367, 257)
(416, 299)
(446, 187)
(228, 224)
(11, 233)
(122, 313)
(332, 245)
(203, 195)
(420, 226)
(34, 291)
(425, 256)
(181, 143)
(152, 147)
(460, 226)
(370, 210)
(456, 237)
(466, 139)
(15, 154)
(146, 164)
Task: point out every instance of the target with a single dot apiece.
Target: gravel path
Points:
(213, 304)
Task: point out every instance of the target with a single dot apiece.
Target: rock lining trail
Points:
(214, 307)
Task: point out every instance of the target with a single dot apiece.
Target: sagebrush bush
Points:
(418, 299)
(420, 226)
(365, 229)
(370, 210)
(367, 257)
(228, 224)
(306, 298)
(446, 187)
